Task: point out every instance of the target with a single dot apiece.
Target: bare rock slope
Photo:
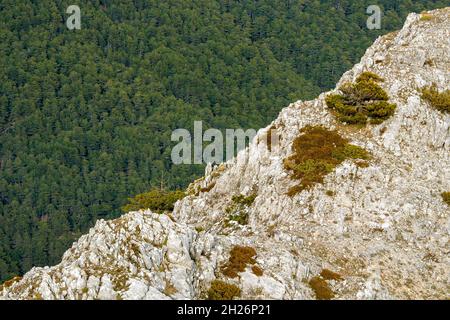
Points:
(382, 229)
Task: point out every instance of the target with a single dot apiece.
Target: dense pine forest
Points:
(86, 115)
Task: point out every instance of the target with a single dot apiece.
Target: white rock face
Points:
(385, 230)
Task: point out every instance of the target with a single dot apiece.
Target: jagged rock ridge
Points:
(384, 228)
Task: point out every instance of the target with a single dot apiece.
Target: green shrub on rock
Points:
(361, 102)
(243, 200)
(238, 209)
(158, 201)
(438, 100)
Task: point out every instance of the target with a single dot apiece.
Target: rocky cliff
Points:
(373, 231)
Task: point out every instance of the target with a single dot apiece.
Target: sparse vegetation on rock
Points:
(330, 275)
(321, 288)
(257, 271)
(317, 151)
(9, 283)
(438, 100)
(237, 210)
(221, 290)
(361, 102)
(240, 257)
(446, 197)
(426, 17)
(240, 217)
(169, 289)
(243, 200)
(158, 201)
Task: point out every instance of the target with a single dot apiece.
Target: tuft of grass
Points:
(446, 197)
(361, 102)
(330, 275)
(158, 201)
(169, 289)
(438, 100)
(429, 63)
(329, 193)
(257, 271)
(317, 151)
(240, 257)
(321, 288)
(199, 229)
(221, 290)
(426, 17)
(38, 296)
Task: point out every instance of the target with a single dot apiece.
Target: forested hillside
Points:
(86, 115)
